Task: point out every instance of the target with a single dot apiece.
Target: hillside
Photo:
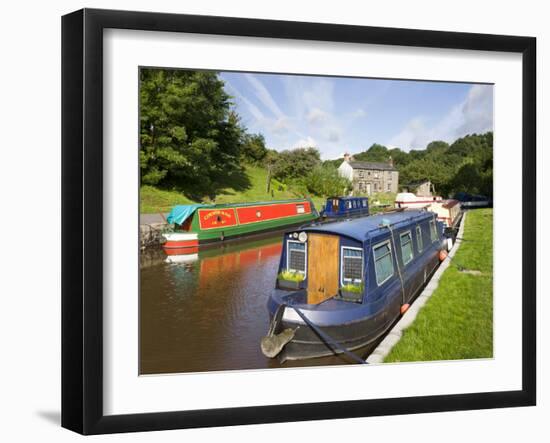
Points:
(154, 200)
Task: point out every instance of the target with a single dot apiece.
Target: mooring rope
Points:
(329, 340)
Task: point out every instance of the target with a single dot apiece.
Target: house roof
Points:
(372, 165)
(364, 227)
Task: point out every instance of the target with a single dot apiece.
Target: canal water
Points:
(207, 311)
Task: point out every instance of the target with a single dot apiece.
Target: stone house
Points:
(422, 188)
(370, 177)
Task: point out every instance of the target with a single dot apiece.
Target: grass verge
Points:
(457, 321)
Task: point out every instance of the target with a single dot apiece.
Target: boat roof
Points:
(362, 228)
(258, 203)
(348, 197)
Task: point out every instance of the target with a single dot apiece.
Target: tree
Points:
(253, 148)
(376, 153)
(296, 163)
(399, 157)
(189, 136)
(325, 181)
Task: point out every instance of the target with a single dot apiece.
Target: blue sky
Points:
(339, 115)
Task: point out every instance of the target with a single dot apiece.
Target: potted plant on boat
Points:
(290, 280)
(352, 292)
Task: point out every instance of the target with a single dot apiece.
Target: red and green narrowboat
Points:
(198, 224)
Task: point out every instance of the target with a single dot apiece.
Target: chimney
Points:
(391, 162)
(347, 157)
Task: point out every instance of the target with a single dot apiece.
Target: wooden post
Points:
(268, 180)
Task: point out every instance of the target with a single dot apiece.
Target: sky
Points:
(338, 114)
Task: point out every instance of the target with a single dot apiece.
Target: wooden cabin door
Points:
(322, 267)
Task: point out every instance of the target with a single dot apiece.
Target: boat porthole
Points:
(258, 214)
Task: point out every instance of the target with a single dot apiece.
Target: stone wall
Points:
(150, 235)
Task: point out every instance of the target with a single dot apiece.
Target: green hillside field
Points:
(154, 200)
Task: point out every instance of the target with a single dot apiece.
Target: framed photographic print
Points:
(269, 221)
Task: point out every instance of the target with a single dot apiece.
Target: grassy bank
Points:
(154, 200)
(457, 321)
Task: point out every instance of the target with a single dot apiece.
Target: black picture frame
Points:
(82, 232)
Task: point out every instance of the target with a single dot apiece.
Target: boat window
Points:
(352, 265)
(383, 262)
(419, 240)
(364, 203)
(300, 209)
(433, 232)
(406, 247)
(348, 205)
(296, 256)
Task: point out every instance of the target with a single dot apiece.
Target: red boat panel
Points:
(253, 214)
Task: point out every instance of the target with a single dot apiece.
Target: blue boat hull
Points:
(357, 331)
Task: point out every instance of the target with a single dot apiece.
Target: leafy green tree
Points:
(189, 136)
(399, 157)
(253, 148)
(376, 153)
(296, 163)
(325, 181)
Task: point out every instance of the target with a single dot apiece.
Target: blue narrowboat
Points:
(341, 285)
(470, 201)
(345, 207)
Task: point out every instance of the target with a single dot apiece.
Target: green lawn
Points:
(457, 321)
(155, 200)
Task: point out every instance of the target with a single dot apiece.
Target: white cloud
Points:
(478, 110)
(316, 116)
(359, 113)
(307, 142)
(333, 135)
(264, 96)
(252, 108)
(473, 115)
(319, 95)
(412, 136)
(282, 125)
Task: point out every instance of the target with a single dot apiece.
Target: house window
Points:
(296, 256)
(389, 187)
(406, 247)
(361, 174)
(383, 262)
(376, 175)
(352, 265)
(419, 241)
(433, 231)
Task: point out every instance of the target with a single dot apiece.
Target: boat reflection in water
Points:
(206, 310)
